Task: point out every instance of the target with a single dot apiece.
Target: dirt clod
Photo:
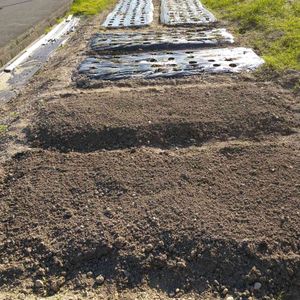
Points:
(257, 285)
(39, 284)
(99, 279)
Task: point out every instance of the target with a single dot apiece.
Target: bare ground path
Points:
(143, 189)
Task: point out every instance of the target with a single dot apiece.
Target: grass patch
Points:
(89, 7)
(270, 26)
(84, 7)
(3, 128)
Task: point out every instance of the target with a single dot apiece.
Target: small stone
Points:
(108, 212)
(126, 273)
(193, 253)
(254, 274)
(257, 285)
(100, 279)
(67, 215)
(28, 250)
(160, 260)
(177, 290)
(89, 274)
(56, 284)
(184, 177)
(216, 282)
(149, 247)
(120, 242)
(41, 272)
(225, 292)
(39, 284)
(181, 264)
(229, 298)
(57, 262)
(85, 293)
(77, 282)
(161, 243)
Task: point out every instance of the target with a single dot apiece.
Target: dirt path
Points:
(170, 188)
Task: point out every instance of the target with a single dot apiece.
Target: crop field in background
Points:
(271, 26)
(89, 7)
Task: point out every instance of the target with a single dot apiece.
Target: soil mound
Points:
(162, 117)
(221, 216)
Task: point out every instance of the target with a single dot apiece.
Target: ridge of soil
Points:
(161, 117)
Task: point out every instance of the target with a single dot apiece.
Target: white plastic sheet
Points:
(170, 64)
(185, 12)
(130, 13)
(178, 38)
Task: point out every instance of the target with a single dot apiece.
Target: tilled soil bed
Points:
(165, 117)
(188, 191)
(225, 215)
(169, 188)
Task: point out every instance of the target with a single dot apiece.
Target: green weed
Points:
(3, 128)
(89, 7)
(270, 26)
(14, 114)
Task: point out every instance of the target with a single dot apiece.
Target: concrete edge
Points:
(14, 47)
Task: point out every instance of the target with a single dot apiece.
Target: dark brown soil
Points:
(174, 219)
(163, 117)
(184, 188)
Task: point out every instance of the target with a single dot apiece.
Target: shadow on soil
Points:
(188, 265)
(162, 135)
